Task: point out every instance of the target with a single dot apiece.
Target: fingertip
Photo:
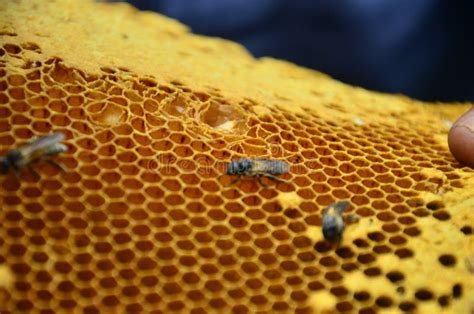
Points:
(461, 139)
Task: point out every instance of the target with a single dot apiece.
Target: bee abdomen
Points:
(277, 167)
(333, 227)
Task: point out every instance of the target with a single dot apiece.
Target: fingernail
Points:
(466, 120)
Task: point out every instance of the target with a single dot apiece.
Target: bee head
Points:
(4, 165)
(10, 160)
(340, 206)
(238, 166)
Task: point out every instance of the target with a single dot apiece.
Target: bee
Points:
(38, 149)
(333, 221)
(257, 168)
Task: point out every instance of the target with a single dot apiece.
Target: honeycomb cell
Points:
(344, 306)
(404, 253)
(443, 301)
(423, 295)
(395, 276)
(407, 306)
(382, 249)
(333, 276)
(467, 230)
(372, 272)
(442, 215)
(457, 291)
(397, 240)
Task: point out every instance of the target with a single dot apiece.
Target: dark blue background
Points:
(422, 48)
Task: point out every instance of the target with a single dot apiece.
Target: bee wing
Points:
(275, 167)
(341, 206)
(259, 165)
(41, 143)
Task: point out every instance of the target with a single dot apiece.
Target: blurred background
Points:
(423, 48)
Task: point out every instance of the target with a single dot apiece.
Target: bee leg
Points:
(352, 218)
(277, 179)
(17, 173)
(34, 172)
(33, 139)
(56, 164)
(233, 181)
(265, 186)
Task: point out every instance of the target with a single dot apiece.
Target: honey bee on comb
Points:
(38, 149)
(333, 220)
(257, 168)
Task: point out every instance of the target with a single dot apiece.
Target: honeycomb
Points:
(142, 220)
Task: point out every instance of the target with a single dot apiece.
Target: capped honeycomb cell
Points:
(144, 219)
